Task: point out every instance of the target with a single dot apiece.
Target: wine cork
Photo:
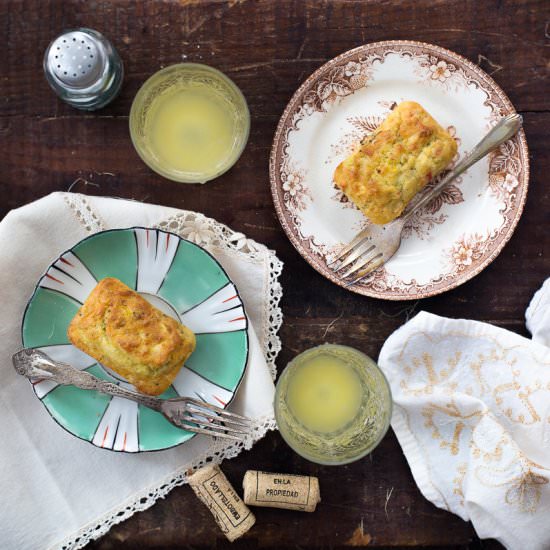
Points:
(229, 511)
(287, 491)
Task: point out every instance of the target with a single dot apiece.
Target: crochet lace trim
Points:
(210, 234)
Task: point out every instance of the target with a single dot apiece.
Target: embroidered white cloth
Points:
(61, 492)
(472, 414)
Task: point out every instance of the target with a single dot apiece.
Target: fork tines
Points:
(202, 417)
(357, 240)
(361, 254)
(217, 410)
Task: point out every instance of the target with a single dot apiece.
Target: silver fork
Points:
(184, 412)
(375, 245)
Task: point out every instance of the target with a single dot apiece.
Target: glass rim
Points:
(186, 177)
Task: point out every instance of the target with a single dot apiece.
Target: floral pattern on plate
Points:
(450, 240)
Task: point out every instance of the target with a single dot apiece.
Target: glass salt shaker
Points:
(83, 68)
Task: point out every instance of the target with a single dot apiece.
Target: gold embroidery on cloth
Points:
(458, 481)
(499, 394)
(523, 488)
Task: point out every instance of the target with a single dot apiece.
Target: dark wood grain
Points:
(269, 47)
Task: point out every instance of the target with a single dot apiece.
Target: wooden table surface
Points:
(269, 47)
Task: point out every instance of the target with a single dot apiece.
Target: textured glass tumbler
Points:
(368, 421)
(178, 85)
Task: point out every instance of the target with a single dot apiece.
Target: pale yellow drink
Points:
(325, 394)
(332, 404)
(191, 131)
(189, 122)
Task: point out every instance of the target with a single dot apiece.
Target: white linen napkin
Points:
(472, 414)
(61, 492)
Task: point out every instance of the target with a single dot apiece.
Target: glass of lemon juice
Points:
(332, 404)
(189, 122)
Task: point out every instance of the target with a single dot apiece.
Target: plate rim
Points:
(279, 137)
(246, 331)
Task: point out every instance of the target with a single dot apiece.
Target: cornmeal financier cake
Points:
(395, 162)
(124, 332)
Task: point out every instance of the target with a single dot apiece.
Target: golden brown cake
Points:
(124, 332)
(395, 162)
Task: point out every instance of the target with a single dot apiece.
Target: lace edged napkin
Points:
(472, 414)
(73, 491)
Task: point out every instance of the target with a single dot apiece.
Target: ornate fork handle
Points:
(503, 130)
(68, 376)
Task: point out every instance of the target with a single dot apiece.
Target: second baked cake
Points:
(124, 332)
(395, 162)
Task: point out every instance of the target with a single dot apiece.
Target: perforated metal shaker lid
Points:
(81, 65)
(76, 59)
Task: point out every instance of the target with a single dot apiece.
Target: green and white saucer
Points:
(175, 275)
